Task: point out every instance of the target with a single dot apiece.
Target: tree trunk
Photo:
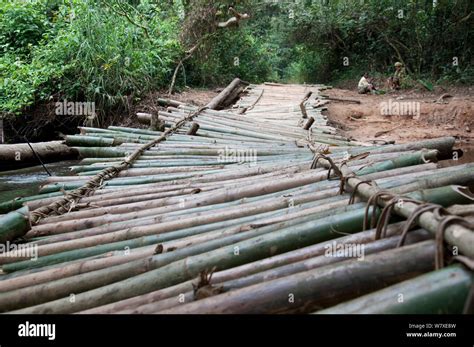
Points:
(228, 95)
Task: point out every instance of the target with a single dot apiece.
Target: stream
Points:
(26, 182)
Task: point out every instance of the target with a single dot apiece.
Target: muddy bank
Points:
(41, 123)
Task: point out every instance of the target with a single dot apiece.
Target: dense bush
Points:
(90, 53)
(21, 26)
(233, 54)
(433, 39)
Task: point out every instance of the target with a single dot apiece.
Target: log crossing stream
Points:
(252, 213)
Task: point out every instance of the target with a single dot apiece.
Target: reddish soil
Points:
(405, 115)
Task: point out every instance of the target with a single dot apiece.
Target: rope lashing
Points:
(333, 167)
(354, 191)
(417, 212)
(374, 201)
(97, 182)
(385, 215)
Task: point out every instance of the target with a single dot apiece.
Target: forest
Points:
(114, 52)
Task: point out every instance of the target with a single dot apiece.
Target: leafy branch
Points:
(119, 9)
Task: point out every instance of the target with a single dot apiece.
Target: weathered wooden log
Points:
(309, 123)
(228, 95)
(194, 129)
(21, 155)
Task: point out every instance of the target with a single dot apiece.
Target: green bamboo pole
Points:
(244, 270)
(287, 270)
(92, 141)
(400, 186)
(227, 179)
(156, 239)
(333, 192)
(456, 235)
(17, 203)
(320, 287)
(411, 159)
(282, 184)
(443, 291)
(14, 225)
(254, 248)
(74, 268)
(159, 274)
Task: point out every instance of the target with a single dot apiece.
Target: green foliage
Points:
(223, 53)
(373, 34)
(93, 53)
(234, 53)
(22, 25)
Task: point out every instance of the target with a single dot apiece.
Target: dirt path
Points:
(405, 116)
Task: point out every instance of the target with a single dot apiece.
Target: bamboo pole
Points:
(321, 287)
(456, 235)
(14, 224)
(243, 270)
(254, 248)
(282, 271)
(439, 292)
(179, 218)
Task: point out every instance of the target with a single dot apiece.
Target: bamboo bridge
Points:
(262, 207)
